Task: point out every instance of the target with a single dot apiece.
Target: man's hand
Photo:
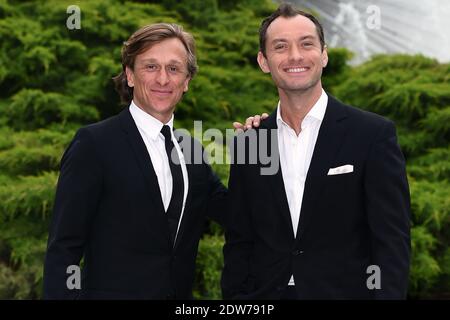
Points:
(251, 122)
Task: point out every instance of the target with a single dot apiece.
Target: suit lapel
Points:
(189, 160)
(187, 208)
(143, 159)
(275, 181)
(329, 140)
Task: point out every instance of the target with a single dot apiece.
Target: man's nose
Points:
(162, 77)
(295, 53)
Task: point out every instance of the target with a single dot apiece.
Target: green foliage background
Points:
(54, 80)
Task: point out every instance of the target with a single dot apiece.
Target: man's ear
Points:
(186, 84)
(130, 77)
(324, 56)
(262, 61)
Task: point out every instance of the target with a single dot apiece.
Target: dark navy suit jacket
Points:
(348, 222)
(108, 210)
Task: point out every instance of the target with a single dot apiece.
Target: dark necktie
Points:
(176, 201)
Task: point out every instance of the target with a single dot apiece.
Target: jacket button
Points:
(297, 252)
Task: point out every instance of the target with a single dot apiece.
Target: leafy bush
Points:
(414, 91)
(209, 268)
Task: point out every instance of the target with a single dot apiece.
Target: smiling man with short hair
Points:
(339, 205)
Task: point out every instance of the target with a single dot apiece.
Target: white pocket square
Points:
(341, 170)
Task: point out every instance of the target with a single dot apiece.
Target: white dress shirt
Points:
(295, 155)
(150, 129)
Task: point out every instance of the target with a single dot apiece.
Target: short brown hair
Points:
(142, 40)
(287, 11)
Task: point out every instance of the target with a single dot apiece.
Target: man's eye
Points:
(307, 44)
(173, 69)
(151, 67)
(280, 46)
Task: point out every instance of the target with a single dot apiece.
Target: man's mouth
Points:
(296, 69)
(160, 92)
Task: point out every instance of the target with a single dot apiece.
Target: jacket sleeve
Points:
(217, 200)
(388, 210)
(77, 195)
(239, 240)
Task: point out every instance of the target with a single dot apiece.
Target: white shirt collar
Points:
(317, 112)
(147, 122)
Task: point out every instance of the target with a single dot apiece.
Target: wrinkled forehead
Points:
(168, 51)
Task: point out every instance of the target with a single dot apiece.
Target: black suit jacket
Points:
(108, 209)
(347, 221)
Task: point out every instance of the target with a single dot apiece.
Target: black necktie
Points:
(176, 201)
